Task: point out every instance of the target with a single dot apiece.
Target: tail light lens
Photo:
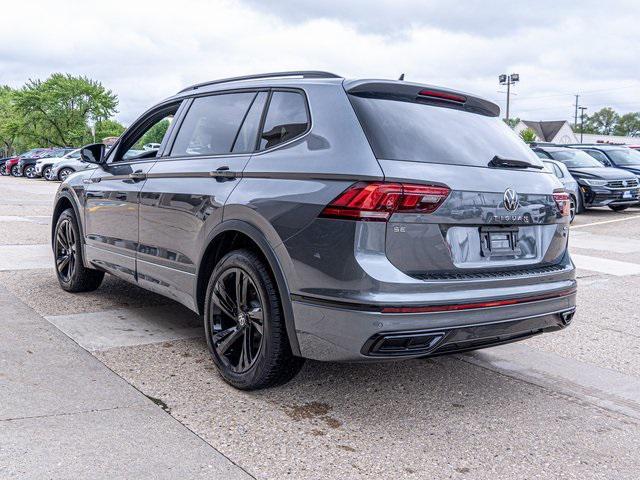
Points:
(563, 201)
(377, 201)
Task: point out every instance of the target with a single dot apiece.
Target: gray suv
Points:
(308, 216)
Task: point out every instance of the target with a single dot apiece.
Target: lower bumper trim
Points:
(419, 343)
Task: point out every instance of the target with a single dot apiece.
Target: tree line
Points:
(63, 110)
(605, 121)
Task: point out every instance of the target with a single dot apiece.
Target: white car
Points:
(66, 166)
(44, 166)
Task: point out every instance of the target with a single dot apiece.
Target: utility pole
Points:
(508, 80)
(582, 109)
(575, 118)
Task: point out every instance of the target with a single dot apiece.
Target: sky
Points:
(147, 50)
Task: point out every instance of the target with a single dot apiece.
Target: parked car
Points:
(617, 156)
(3, 161)
(635, 147)
(15, 168)
(600, 186)
(65, 167)
(27, 165)
(309, 216)
(44, 166)
(570, 184)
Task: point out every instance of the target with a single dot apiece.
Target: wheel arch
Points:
(231, 235)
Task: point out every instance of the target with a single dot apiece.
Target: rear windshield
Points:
(399, 130)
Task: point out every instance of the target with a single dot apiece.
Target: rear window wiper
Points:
(501, 162)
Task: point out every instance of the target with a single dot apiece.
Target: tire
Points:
(618, 208)
(46, 173)
(573, 209)
(73, 276)
(269, 361)
(64, 173)
(3, 171)
(15, 171)
(30, 171)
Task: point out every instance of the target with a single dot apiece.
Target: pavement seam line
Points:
(573, 396)
(78, 412)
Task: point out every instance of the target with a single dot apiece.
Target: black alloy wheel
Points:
(238, 323)
(72, 275)
(244, 324)
(65, 250)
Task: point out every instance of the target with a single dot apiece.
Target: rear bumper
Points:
(332, 333)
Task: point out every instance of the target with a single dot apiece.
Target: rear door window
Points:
(287, 118)
(248, 134)
(212, 124)
(417, 132)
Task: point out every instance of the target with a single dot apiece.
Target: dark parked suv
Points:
(600, 187)
(309, 216)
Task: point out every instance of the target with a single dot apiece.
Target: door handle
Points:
(223, 172)
(137, 176)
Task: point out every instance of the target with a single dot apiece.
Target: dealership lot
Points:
(121, 378)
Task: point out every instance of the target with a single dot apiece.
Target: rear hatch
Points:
(503, 211)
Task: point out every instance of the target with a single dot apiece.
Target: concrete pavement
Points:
(119, 383)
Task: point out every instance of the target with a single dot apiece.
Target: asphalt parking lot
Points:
(118, 383)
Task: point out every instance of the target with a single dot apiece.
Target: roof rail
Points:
(300, 73)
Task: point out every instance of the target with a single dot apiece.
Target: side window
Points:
(558, 172)
(601, 157)
(248, 134)
(145, 141)
(286, 119)
(211, 124)
(541, 154)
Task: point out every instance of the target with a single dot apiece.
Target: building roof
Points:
(545, 131)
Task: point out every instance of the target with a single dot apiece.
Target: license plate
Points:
(499, 242)
(627, 194)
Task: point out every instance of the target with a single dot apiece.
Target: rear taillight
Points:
(377, 201)
(563, 201)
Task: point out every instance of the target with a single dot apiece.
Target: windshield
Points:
(402, 130)
(576, 159)
(625, 156)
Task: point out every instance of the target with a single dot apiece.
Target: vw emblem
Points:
(511, 201)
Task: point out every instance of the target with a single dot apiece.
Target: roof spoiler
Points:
(413, 92)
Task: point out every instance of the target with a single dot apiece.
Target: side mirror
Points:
(93, 153)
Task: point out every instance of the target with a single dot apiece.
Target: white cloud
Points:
(147, 50)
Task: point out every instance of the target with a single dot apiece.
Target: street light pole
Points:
(582, 109)
(508, 80)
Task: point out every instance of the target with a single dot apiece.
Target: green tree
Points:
(602, 121)
(528, 135)
(56, 111)
(155, 133)
(512, 122)
(108, 128)
(628, 125)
